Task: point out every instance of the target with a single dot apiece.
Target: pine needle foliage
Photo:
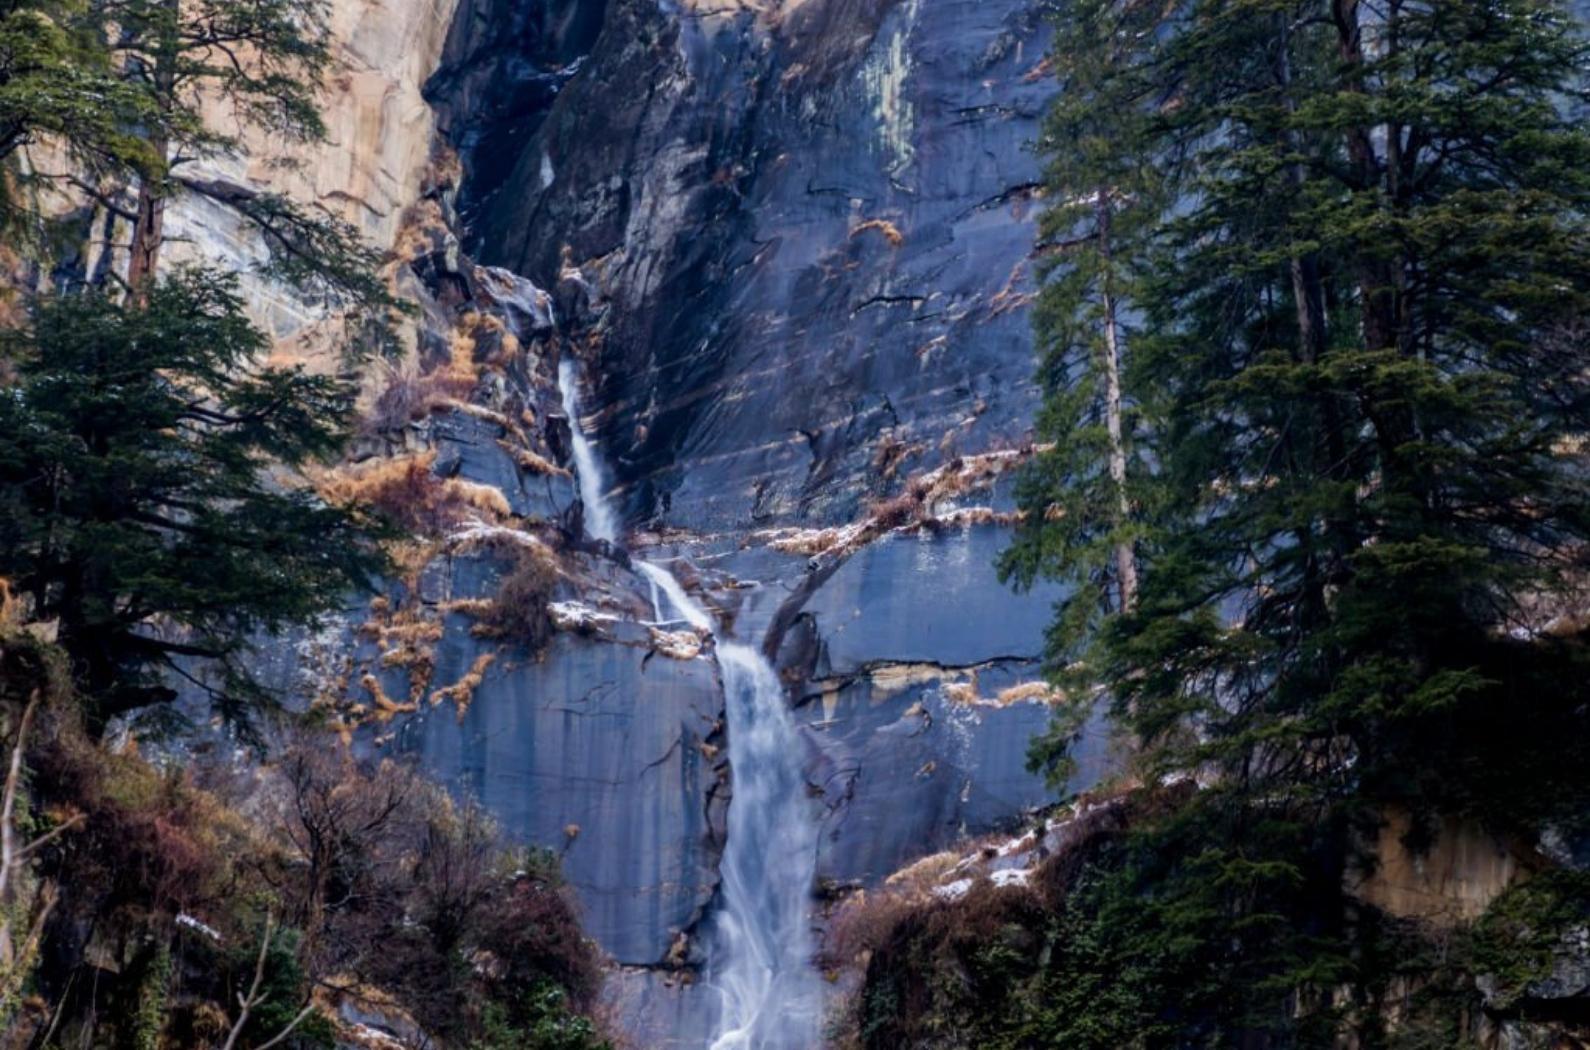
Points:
(58, 83)
(147, 498)
(1352, 247)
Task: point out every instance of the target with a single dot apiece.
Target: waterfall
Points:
(759, 956)
(760, 961)
(600, 521)
(674, 591)
(759, 948)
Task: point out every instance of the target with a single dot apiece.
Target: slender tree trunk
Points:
(148, 231)
(13, 957)
(1308, 294)
(1125, 557)
(143, 264)
(8, 802)
(1376, 283)
(1379, 283)
(1308, 288)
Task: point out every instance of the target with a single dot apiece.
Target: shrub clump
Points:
(520, 610)
(407, 491)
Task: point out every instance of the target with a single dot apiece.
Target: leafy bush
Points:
(546, 1024)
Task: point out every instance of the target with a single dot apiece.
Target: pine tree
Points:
(263, 61)
(1356, 372)
(57, 82)
(147, 498)
(1088, 477)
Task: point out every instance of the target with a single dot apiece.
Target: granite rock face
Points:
(376, 162)
(811, 225)
(600, 750)
(791, 245)
(502, 67)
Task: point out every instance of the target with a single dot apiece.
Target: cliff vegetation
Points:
(185, 862)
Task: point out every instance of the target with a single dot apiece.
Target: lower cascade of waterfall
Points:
(760, 945)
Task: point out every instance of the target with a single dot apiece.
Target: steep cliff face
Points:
(790, 245)
(376, 162)
(810, 223)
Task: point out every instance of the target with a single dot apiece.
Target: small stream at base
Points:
(759, 946)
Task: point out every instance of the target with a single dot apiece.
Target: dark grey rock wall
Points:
(813, 240)
(501, 69)
(595, 750)
(793, 252)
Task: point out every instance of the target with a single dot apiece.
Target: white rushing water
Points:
(759, 955)
(600, 522)
(759, 949)
(760, 959)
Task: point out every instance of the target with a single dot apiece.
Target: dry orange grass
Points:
(405, 489)
(462, 692)
(889, 230)
(1029, 692)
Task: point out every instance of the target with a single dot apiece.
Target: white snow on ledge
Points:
(184, 919)
(567, 616)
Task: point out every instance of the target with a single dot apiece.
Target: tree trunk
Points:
(1376, 283)
(148, 230)
(143, 263)
(1125, 557)
(1308, 294)
(1379, 283)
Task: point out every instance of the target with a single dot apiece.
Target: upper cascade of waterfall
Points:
(600, 521)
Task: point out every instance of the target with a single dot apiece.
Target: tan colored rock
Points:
(380, 131)
(676, 645)
(1454, 880)
(381, 143)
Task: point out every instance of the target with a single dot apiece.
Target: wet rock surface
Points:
(907, 764)
(502, 67)
(599, 750)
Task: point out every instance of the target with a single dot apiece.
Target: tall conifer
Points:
(1356, 300)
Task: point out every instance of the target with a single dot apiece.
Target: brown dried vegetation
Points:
(381, 887)
(519, 611)
(407, 491)
(889, 230)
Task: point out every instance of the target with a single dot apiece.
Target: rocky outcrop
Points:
(378, 159)
(504, 63)
(604, 750)
(1454, 875)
